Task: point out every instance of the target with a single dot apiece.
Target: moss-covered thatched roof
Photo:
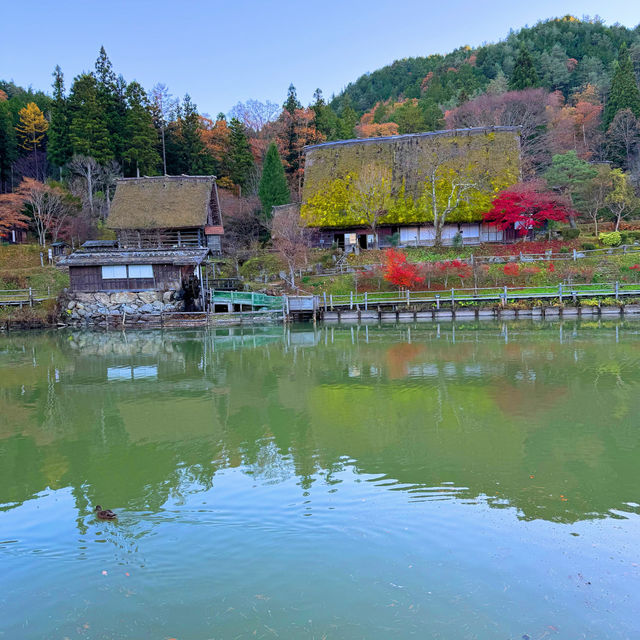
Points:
(165, 202)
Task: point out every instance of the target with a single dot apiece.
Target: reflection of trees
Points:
(419, 409)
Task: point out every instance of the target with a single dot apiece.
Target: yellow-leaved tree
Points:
(32, 129)
(33, 126)
(371, 196)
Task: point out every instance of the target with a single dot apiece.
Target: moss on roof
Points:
(166, 202)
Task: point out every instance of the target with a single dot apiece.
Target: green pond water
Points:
(435, 481)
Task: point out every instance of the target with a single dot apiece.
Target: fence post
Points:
(350, 299)
(437, 301)
(331, 301)
(617, 289)
(31, 297)
(324, 295)
(575, 255)
(560, 292)
(452, 297)
(408, 293)
(366, 307)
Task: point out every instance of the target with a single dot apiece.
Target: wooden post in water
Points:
(560, 292)
(324, 296)
(452, 298)
(350, 299)
(617, 289)
(366, 307)
(30, 297)
(331, 301)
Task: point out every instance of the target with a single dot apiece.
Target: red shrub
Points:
(511, 269)
(398, 271)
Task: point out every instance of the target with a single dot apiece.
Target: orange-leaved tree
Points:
(11, 205)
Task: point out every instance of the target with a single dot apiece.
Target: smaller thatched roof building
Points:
(165, 202)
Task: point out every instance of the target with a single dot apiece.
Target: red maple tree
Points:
(398, 271)
(527, 207)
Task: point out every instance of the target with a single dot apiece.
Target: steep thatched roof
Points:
(165, 202)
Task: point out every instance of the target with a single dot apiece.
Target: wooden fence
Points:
(21, 297)
(574, 255)
(502, 295)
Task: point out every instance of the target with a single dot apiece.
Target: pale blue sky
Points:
(225, 52)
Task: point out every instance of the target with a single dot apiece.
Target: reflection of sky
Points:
(132, 373)
(350, 551)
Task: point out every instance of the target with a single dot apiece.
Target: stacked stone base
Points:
(122, 307)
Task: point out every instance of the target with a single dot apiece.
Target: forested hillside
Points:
(571, 85)
(567, 54)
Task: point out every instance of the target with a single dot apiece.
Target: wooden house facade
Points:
(165, 228)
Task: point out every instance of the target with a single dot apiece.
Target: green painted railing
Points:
(248, 298)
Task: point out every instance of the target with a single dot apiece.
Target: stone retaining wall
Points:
(94, 308)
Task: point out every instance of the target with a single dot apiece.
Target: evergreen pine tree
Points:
(348, 120)
(292, 103)
(273, 189)
(624, 92)
(111, 99)
(59, 145)
(241, 163)
(8, 146)
(195, 158)
(142, 138)
(88, 130)
(326, 120)
(524, 74)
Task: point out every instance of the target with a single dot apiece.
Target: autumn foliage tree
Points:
(11, 205)
(399, 272)
(526, 206)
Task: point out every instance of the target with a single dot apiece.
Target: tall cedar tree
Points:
(273, 189)
(241, 163)
(292, 103)
(524, 74)
(195, 159)
(347, 121)
(8, 147)
(59, 143)
(142, 138)
(624, 92)
(88, 130)
(111, 99)
(326, 120)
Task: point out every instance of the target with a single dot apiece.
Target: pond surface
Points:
(468, 481)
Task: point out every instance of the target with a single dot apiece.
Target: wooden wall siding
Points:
(166, 277)
(85, 278)
(160, 238)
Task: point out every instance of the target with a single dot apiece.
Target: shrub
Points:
(457, 241)
(588, 246)
(624, 237)
(612, 239)
(394, 240)
(564, 250)
(568, 233)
